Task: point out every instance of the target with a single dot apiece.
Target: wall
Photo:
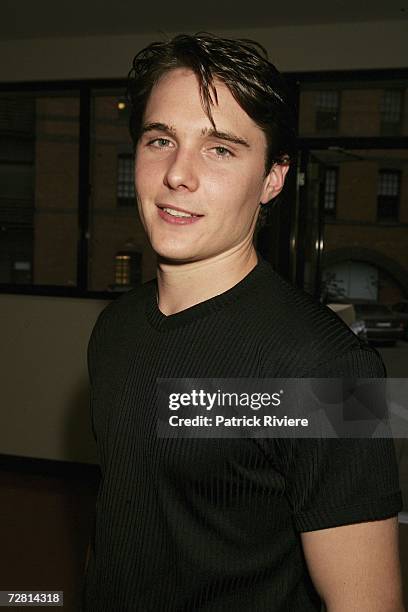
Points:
(348, 46)
(44, 391)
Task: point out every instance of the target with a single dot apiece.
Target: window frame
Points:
(134, 258)
(322, 115)
(396, 198)
(122, 201)
(85, 89)
(331, 213)
(392, 128)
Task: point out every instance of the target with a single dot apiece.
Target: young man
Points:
(219, 524)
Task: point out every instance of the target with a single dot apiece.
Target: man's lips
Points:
(179, 209)
(177, 220)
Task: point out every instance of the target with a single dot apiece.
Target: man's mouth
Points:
(178, 213)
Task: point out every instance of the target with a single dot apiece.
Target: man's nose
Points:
(182, 171)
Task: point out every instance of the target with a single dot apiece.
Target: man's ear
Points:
(273, 182)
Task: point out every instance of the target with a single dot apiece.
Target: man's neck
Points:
(184, 285)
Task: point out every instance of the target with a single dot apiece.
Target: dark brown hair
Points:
(241, 64)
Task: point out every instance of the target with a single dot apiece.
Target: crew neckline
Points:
(163, 322)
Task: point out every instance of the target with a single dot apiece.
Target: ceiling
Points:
(56, 18)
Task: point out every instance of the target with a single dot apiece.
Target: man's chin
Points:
(176, 255)
(172, 259)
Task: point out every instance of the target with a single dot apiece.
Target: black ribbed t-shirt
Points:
(214, 524)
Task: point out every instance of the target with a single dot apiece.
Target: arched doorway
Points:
(354, 280)
(361, 273)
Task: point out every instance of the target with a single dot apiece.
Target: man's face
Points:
(215, 179)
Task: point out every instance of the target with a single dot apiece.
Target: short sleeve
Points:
(339, 481)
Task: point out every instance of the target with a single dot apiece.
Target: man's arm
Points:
(356, 568)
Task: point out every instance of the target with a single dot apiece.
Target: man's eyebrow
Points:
(212, 133)
(228, 136)
(158, 127)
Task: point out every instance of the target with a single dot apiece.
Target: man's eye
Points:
(223, 152)
(159, 142)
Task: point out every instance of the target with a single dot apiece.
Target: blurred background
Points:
(71, 240)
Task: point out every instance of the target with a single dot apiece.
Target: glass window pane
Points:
(119, 253)
(388, 194)
(388, 183)
(327, 100)
(125, 182)
(330, 190)
(39, 187)
(391, 106)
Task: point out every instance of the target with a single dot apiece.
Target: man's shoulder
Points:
(124, 310)
(302, 331)
(297, 312)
